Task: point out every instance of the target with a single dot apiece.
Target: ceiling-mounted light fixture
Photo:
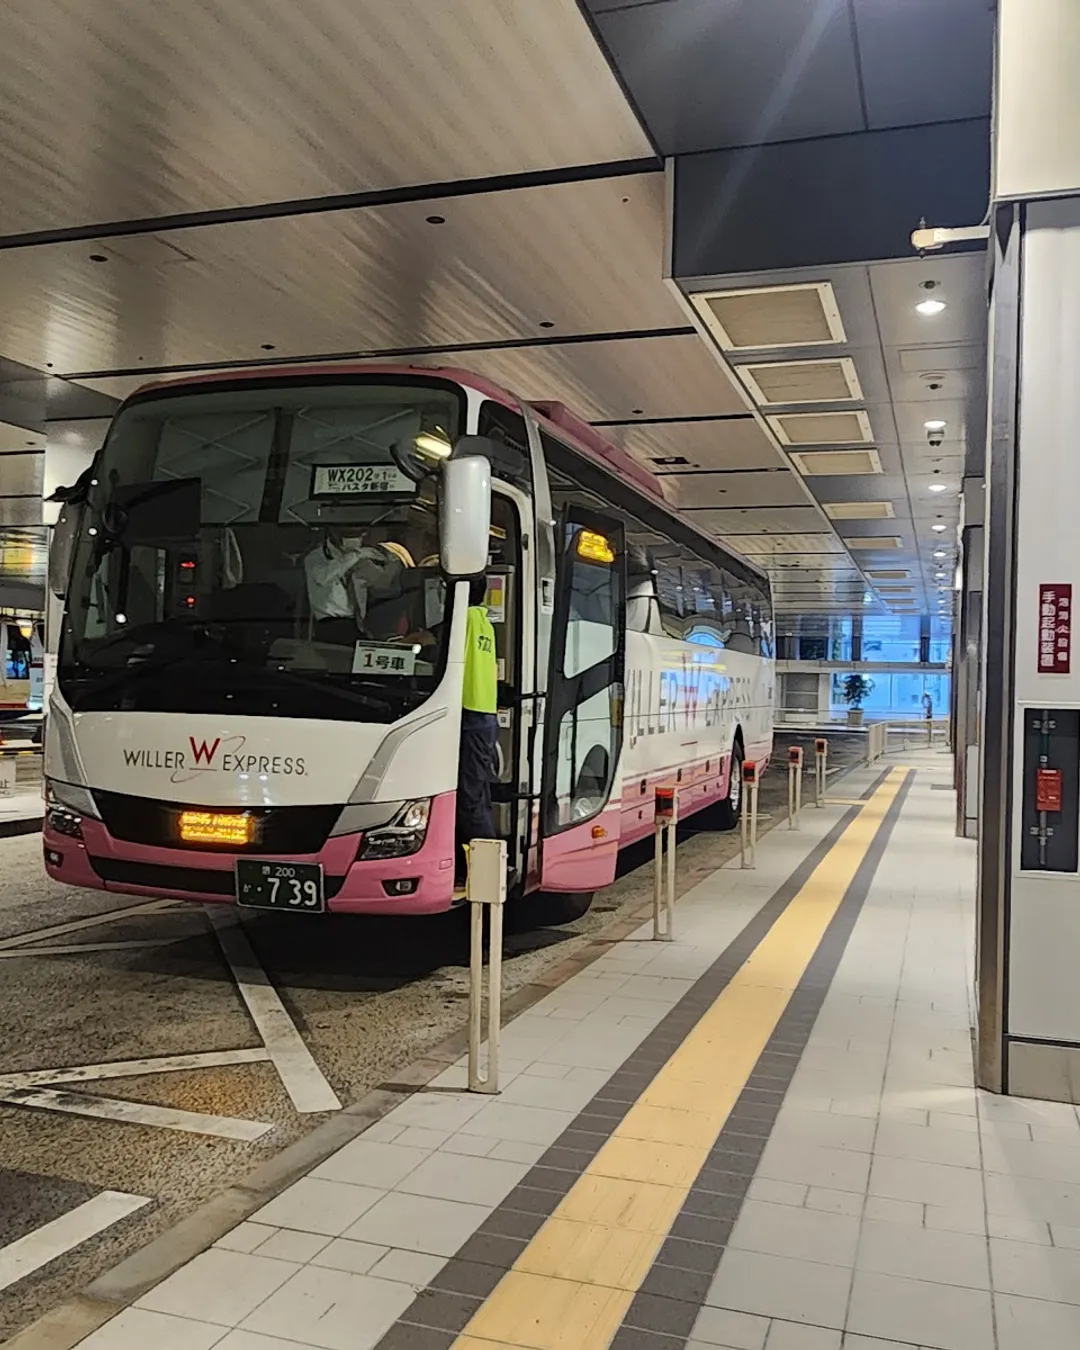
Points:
(931, 304)
(941, 553)
(938, 529)
(936, 424)
(937, 487)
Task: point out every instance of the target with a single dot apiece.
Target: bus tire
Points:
(551, 909)
(726, 813)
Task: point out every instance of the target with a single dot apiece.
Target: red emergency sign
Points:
(1055, 629)
(1047, 789)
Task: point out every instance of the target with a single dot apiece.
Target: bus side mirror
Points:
(465, 516)
(65, 535)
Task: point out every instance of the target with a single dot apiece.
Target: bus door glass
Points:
(583, 723)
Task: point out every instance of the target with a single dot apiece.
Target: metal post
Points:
(748, 823)
(794, 786)
(486, 890)
(665, 820)
(821, 757)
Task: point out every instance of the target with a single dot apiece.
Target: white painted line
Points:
(132, 1068)
(80, 948)
(91, 921)
(137, 1113)
(302, 1078)
(22, 1257)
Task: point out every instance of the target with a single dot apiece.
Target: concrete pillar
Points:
(1028, 949)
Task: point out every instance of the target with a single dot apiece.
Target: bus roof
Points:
(556, 416)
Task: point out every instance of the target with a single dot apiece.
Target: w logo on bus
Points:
(203, 752)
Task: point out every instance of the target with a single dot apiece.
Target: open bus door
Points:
(583, 722)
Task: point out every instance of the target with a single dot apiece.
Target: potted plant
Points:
(856, 688)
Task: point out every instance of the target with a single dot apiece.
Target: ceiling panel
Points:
(959, 280)
(670, 377)
(128, 110)
(21, 475)
(924, 61)
(18, 438)
(808, 544)
(580, 257)
(736, 443)
(708, 75)
(763, 488)
(767, 520)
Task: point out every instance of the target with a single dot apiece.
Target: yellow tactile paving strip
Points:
(571, 1287)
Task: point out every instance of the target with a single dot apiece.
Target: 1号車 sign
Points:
(1055, 629)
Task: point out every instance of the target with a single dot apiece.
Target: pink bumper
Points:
(103, 862)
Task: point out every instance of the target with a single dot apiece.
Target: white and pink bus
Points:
(258, 681)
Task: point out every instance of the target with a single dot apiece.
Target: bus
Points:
(264, 581)
(22, 653)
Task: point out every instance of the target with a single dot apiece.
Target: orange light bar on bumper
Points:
(216, 827)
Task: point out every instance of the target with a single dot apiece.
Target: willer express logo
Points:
(224, 754)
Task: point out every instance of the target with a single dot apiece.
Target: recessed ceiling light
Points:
(940, 554)
(936, 424)
(937, 487)
(940, 576)
(930, 307)
(938, 529)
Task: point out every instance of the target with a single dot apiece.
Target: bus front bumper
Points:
(80, 851)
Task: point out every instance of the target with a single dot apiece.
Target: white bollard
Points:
(749, 815)
(821, 760)
(794, 786)
(665, 822)
(486, 890)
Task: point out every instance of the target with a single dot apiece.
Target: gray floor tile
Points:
(1033, 1271)
(916, 1312)
(954, 1148)
(733, 1330)
(797, 1336)
(815, 1165)
(477, 1181)
(224, 1287)
(523, 1124)
(806, 1234)
(331, 1310)
(924, 1254)
(932, 1183)
(315, 1206)
(778, 1286)
(135, 1329)
(1032, 1324)
(367, 1163)
(419, 1223)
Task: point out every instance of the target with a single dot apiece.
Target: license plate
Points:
(295, 887)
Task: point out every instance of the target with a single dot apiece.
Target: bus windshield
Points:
(252, 548)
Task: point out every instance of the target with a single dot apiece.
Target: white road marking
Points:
(137, 1113)
(91, 921)
(301, 1076)
(22, 1257)
(132, 1068)
(81, 948)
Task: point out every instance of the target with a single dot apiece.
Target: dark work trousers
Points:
(476, 773)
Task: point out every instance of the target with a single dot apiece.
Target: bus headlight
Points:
(404, 835)
(70, 797)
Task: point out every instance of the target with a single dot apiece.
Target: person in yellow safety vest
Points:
(479, 727)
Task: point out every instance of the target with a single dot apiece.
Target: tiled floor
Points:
(893, 1206)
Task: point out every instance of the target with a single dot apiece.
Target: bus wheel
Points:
(725, 815)
(550, 909)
